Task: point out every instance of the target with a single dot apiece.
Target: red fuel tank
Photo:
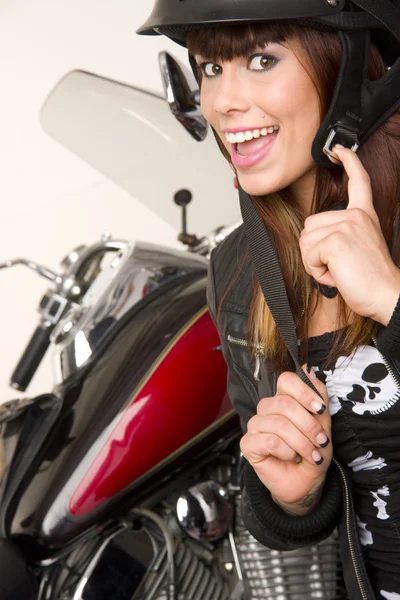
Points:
(154, 386)
(183, 393)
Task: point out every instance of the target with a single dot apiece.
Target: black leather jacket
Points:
(229, 297)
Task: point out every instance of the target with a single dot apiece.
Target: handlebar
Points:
(32, 357)
(70, 287)
(40, 269)
(80, 266)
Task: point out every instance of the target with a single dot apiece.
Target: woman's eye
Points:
(262, 62)
(211, 69)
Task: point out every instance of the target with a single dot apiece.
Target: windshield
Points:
(130, 136)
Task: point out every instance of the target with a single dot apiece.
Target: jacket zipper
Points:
(259, 354)
(353, 553)
(388, 365)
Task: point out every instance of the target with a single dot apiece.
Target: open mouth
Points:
(248, 153)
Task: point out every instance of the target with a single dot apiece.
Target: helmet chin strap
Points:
(267, 268)
(359, 106)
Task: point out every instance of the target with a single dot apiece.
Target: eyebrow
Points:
(200, 58)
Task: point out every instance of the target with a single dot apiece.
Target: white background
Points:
(51, 200)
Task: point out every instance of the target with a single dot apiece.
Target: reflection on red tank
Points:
(176, 402)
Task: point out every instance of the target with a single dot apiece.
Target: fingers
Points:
(293, 423)
(317, 258)
(289, 384)
(258, 446)
(329, 239)
(321, 389)
(276, 435)
(293, 426)
(360, 190)
(317, 245)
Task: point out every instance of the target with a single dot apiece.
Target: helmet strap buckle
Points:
(327, 149)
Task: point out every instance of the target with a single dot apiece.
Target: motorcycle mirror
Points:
(184, 101)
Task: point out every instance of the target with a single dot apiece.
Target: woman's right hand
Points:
(288, 442)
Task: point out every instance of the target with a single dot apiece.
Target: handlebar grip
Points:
(31, 358)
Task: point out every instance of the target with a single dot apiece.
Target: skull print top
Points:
(365, 409)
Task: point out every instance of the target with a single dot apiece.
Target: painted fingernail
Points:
(312, 375)
(317, 458)
(322, 440)
(318, 407)
(298, 459)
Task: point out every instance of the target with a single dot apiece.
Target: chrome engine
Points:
(306, 573)
(194, 546)
(195, 579)
(240, 568)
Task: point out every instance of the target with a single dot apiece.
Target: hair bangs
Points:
(228, 42)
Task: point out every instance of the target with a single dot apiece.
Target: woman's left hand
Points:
(346, 249)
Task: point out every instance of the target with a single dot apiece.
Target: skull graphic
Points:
(364, 534)
(367, 462)
(363, 381)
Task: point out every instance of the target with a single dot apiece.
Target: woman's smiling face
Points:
(266, 111)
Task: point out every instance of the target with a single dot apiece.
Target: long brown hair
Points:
(321, 57)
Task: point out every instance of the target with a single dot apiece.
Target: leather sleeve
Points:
(388, 338)
(275, 528)
(265, 520)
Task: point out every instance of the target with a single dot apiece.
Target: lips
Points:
(253, 158)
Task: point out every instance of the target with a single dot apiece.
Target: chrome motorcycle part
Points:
(169, 544)
(205, 512)
(212, 240)
(184, 102)
(195, 580)
(73, 256)
(81, 266)
(310, 572)
(134, 565)
(41, 270)
(206, 571)
(136, 271)
(235, 555)
(78, 595)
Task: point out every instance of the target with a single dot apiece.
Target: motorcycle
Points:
(123, 482)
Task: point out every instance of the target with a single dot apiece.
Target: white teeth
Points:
(247, 136)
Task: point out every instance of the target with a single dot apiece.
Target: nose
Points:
(231, 94)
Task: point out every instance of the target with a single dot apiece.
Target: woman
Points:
(274, 85)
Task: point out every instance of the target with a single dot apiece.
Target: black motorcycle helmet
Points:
(359, 106)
